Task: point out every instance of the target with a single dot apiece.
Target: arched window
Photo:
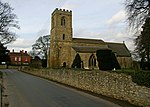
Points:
(92, 61)
(63, 21)
(63, 36)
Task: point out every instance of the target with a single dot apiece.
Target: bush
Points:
(107, 60)
(142, 78)
(77, 62)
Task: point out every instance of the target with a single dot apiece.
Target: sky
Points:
(95, 19)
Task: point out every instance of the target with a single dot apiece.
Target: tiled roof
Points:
(18, 54)
(89, 49)
(119, 48)
(89, 41)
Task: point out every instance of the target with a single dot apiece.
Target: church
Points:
(64, 48)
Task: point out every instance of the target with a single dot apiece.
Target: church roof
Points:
(119, 48)
(89, 49)
(90, 41)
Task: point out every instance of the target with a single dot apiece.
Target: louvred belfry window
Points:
(63, 21)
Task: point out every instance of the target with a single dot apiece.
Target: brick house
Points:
(19, 58)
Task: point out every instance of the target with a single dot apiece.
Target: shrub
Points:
(77, 62)
(142, 78)
(107, 60)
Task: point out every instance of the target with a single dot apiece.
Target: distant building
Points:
(19, 58)
(64, 48)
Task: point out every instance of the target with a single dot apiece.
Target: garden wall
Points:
(119, 86)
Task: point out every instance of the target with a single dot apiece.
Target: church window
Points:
(92, 61)
(63, 36)
(63, 21)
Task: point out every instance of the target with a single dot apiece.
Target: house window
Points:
(15, 58)
(63, 21)
(19, 58)
(26, 59)
(63, 36)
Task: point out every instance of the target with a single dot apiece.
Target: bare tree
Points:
(41, 46)
(8, 21)
(139, 20)
(138, 11)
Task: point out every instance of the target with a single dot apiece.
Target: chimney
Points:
(21, 51)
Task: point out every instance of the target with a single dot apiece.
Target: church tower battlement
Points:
(61, 25)
(62, 10)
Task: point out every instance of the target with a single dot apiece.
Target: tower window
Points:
(63, 21)
(63, 36)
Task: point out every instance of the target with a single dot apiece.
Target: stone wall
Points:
(125, 62)
(119, 86)
(2, 66)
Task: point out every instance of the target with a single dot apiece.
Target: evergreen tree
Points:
(143, 44)
(107, 60)
(4, 54)
(77, 62)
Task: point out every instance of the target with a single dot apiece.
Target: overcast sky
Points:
(96, 19)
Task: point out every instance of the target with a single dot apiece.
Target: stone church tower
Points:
(60, 38)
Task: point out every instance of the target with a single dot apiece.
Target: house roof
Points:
(119, 48)
(18, 54)
(89, 49)
(89, 41)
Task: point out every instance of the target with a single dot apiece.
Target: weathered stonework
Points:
(125, 62)
(119, 86)
(63, 47)
(61, 37)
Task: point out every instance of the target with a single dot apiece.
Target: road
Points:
(25, 90)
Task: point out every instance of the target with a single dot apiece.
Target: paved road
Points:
(29, 91)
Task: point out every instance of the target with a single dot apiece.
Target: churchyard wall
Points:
(119, 86)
